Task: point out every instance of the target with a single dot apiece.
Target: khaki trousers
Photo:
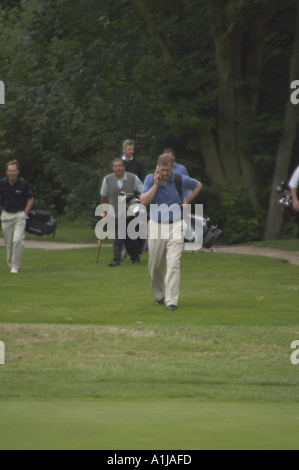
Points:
(13, 226)
(166, 249)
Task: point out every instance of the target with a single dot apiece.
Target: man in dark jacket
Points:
(17, 201)
(131, 163)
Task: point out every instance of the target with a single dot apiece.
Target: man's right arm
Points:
(148, 196)
(295, 199)
(294, 182)
(104, 195)
(104, 200)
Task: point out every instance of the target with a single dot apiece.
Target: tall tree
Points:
(204, 134)
(228, 153)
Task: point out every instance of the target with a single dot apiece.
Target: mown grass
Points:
(230, 337)
(141, 362)
(78, 334)
(221, 289)
(146, 424)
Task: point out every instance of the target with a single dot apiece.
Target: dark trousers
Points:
(132, 246)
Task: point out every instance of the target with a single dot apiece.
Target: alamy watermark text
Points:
(295, 94)
(2, 93)
(2, 353)
(294, 356)
(165, 220)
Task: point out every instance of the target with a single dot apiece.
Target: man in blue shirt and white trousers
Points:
(166, 228)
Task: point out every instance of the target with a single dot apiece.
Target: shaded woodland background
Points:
(209, 78)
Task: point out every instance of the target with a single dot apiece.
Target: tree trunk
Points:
(238, 101)
(226, 94)
(206, 140)
(255, 59)
(227, 110)
(151, 22)
(247, 97)
(284, 154)
(211, 156)
(233, 118)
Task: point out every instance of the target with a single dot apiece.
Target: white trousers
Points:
(13, 226)
(166, 249)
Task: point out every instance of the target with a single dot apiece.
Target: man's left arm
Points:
(29, 198)
(194, 192)
(29, 205)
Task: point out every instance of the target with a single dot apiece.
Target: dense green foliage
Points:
(81, 77)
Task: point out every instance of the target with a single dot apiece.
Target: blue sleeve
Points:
(188, 183)
(148, 183)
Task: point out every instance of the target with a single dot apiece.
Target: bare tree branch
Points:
(154, 30)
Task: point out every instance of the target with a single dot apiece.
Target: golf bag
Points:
(41, 223)
(286, 202)
(211, 233)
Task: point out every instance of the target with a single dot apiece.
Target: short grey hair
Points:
(128, 142)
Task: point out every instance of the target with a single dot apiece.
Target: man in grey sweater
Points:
(117, 184)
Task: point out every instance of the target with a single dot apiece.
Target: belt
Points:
(10, 212)
(171, 222)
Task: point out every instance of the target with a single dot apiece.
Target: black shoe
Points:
(135, 261)
(172, 307)
(159, 302)
(114, 264)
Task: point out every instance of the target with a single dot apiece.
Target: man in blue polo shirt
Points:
(17, 201)
(178, 169)
(161, 194)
